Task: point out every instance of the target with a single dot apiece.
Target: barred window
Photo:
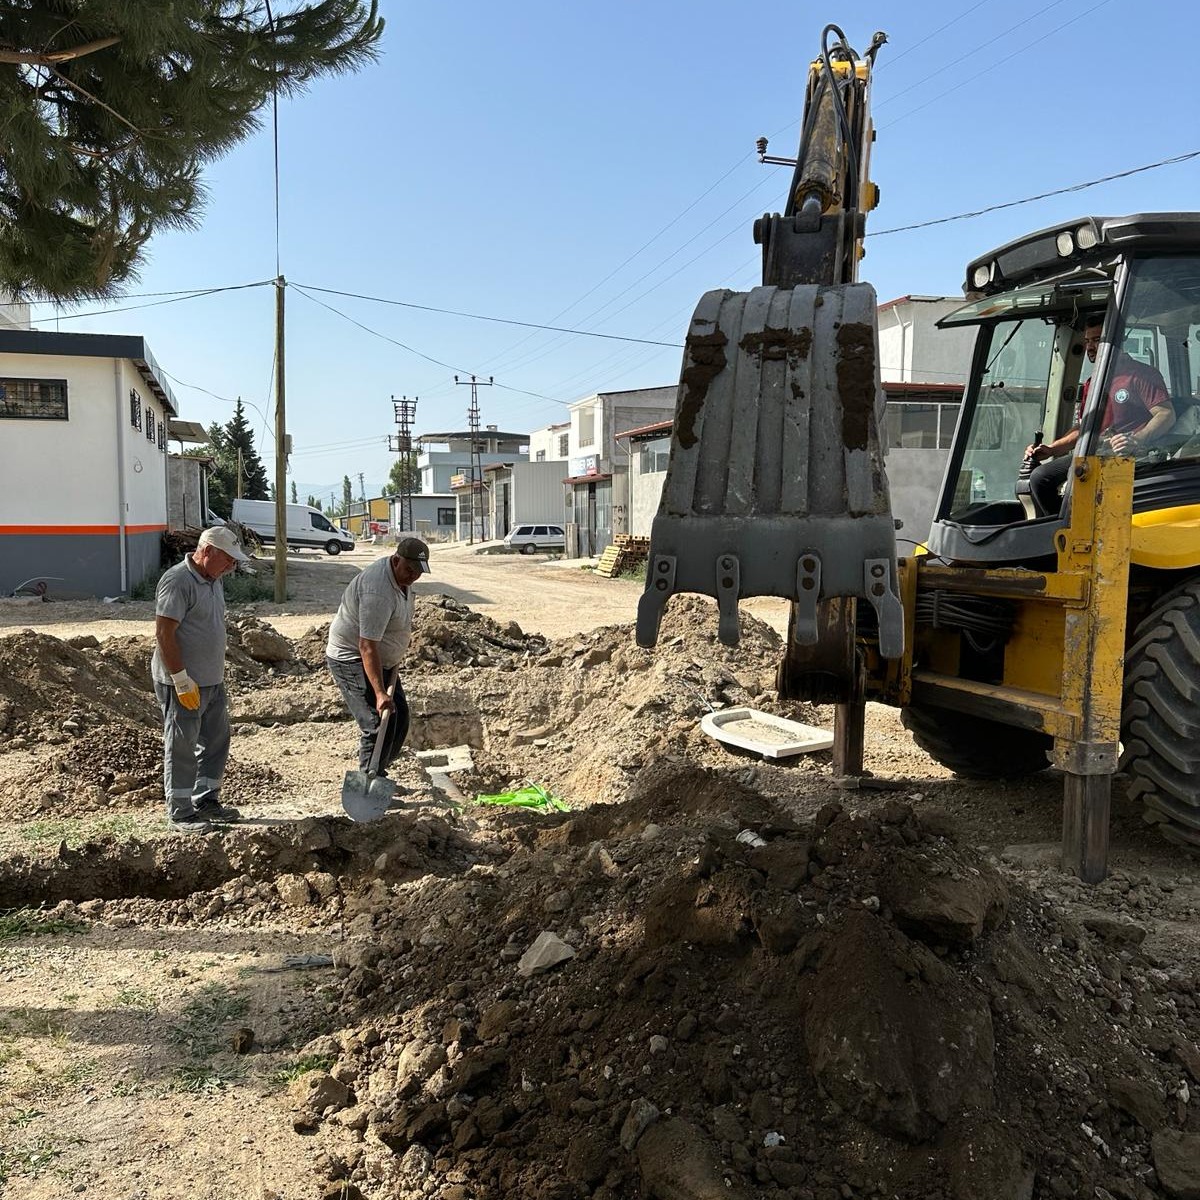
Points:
(36, 399)
(162, 435)
(150, 425)
(135, 409)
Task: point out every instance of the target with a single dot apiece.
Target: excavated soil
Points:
(712, 977)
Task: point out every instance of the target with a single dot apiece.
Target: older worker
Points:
(189, 679)
(366, 644)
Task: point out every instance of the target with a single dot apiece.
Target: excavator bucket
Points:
(776, 484)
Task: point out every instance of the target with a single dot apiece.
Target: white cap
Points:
(221, 537)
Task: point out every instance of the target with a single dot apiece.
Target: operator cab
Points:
(1032, 300)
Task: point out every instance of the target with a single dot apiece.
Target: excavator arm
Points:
(776, 485)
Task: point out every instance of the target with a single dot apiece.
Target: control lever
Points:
(1028, 463)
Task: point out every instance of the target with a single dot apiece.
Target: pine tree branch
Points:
(33, 58)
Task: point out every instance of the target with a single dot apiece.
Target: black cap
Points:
(415, 551)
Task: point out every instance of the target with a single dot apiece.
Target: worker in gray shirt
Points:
(366, 644)
(189, 679)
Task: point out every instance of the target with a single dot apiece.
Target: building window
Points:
(587, 427)
(654, 456)
(37, 399)
(564, 445)
(150, 425)
(445, 516)
(135, 410)
(162, 436)
(912, 426)
(541, 456)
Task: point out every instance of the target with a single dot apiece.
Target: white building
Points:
(443, 456)
(597, 486)
(924, 370)
(83, 461)
(552, 443)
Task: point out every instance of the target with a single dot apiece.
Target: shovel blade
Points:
(366, 797)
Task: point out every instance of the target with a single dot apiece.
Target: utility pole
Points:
(406, 413)
(476, 457)
(280, 450)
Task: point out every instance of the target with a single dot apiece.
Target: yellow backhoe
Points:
(1050, 619)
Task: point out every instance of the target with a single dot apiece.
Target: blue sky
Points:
(515, 161)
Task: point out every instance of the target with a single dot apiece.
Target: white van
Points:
(305, 526)
(529, 539)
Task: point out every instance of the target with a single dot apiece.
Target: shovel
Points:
(365, 796)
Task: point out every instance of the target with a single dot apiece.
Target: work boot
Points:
(216, 813)
(190, 824)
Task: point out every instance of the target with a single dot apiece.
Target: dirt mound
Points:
(50, 689)
(584, 717)
(722, 1005)
(116, 766)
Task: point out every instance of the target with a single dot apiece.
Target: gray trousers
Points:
(195, 748)
(359, 695)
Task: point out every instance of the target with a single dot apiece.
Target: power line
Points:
(104, 312)
(1075, 187)
(450, 312)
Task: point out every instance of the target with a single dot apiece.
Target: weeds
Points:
(30, 922)
(74, 833)
(302, 1066)
(135, 998)
(247, 589)
(32, 1159)
(200, 1032)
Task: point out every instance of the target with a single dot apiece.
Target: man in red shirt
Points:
(1137, 414)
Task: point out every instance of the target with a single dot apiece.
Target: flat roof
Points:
(93, 345)
(465, 435)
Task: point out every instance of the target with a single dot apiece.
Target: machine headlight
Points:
(1065, 242)
(1086, 237)
(981, 276)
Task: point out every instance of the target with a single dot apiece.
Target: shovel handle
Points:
(376, 754)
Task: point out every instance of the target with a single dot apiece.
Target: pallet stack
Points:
(623, 554)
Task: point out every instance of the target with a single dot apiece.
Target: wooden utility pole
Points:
(280, 451)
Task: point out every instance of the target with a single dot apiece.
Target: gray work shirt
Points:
(375, 607)
(198, 604)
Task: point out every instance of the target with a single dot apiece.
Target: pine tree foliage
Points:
(112, 108)
(224, 441)
(347, 494)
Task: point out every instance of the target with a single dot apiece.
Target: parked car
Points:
(529, 539)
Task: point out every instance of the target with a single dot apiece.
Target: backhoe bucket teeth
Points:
(776, 485)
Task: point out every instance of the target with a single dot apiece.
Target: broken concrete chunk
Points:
(546, 953)
(642, 1114)
(1177, 1161)
(677, 1163)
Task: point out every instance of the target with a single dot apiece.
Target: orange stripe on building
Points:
(102, 530)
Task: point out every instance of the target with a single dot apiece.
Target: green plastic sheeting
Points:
(530, 796)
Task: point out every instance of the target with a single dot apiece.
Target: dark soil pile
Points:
(749, 1006)
(543, 721)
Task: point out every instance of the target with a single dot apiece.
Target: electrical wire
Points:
(213, 291)
(1075, 187)
(478, 316)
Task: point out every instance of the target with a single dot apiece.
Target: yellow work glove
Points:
(187, 691)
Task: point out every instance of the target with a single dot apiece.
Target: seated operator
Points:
(1138, 413)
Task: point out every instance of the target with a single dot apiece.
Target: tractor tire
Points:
(975, 747)
(1160, 716)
